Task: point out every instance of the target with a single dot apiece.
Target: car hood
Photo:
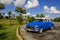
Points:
(33, 24)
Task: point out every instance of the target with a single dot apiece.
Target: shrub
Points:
(1, 26)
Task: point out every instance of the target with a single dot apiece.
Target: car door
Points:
(46, 25)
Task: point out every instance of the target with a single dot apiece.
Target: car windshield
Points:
(38, 20)
(41, 20)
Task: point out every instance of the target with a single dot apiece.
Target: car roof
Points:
(41, 18)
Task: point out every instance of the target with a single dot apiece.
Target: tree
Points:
(37, 15)
(42, 15)
(57, 19)
(1, 26)
(18, 9)
(32, 19)
(20, 17)
(9, 13)
(13, 16)
(29, 18)
(3, 15)
(6, 17)
(1, 8)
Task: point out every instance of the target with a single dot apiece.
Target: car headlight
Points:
(35, 26)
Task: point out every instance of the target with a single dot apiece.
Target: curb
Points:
(18, 34)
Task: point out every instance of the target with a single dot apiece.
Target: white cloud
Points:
(6, 1)
(26, 14)
(46, 8)
(51, 10)
(47, 16)
(19, 2)
(31, 4)
(34, 15)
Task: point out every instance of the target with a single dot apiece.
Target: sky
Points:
(49, 8)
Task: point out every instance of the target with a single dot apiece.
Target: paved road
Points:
(46, 35)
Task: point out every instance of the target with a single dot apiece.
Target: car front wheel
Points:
(52, 28)
(41, 30)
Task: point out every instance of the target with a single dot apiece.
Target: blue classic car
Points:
(39, 25)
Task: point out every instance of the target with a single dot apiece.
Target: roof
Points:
(41, 18)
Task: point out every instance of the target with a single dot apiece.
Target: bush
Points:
(20, 19)
(1, 26)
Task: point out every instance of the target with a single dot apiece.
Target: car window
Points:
(39, 20)
(45, 20)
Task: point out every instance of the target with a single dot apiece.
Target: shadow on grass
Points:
(3, 28)
(3, 36)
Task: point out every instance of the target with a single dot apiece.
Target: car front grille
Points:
(32, 28)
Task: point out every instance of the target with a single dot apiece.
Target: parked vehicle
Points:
(39, 25)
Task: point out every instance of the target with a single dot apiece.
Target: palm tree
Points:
(37, 15)
(21, 11)
(18, 9)
(9, 13)
(3, 15)
(1, 8)
(29, 18)
(13, 16)
(42, 15)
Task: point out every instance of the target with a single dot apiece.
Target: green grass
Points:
(8, 33)
(7, 22)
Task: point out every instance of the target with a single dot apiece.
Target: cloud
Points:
(46, 8)
(51, 10)
(6, 1)
(19, 3)
(34, 15)
(31, 4)
(26, 14)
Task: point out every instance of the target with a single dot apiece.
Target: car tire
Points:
(41, 30)
(52, 28)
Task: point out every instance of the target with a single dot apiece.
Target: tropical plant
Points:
(18, 9)
(9, 13)
(57, 19)
(1, 8)
(42, 15)
(20, 17)
(37, 15)
(1, 26)
(32, 19)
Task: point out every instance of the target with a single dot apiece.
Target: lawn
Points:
(8, 32)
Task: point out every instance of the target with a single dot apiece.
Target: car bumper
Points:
(32, 30)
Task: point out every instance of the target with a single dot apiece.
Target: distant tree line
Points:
(2, 15)
(57, 19)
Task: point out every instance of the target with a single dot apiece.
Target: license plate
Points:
(28, 29)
